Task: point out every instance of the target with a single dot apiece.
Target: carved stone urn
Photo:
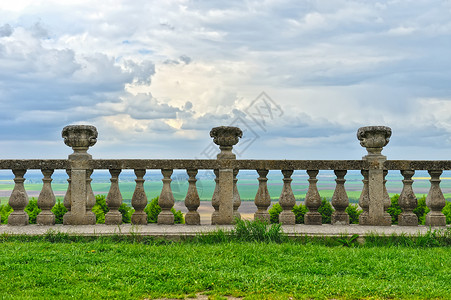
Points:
(226, 137)
(79, 138)
(374, 138)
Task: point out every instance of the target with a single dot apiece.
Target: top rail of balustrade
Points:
(241, 164)
(228, 164)
(40, 164)
(417, 165)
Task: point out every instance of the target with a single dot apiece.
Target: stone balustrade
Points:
(79, 198)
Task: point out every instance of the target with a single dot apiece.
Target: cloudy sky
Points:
(299, 77)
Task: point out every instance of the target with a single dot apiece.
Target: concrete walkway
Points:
(177, 231)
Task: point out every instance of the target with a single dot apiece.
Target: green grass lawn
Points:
(104, 269)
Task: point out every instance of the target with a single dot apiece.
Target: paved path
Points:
(176, 231)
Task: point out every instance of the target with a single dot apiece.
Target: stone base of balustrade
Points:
(88, 219)
(262, 216)
(287, 217)
(433, 219)
(364, 219)
(313, 218)
(139, 218)
(180, 231)
(340, 218)
(165, 218)
(113, 218)
(407, 219)
(45, 218)
(192, 218)
(18, 219)
(236, 215)
(214, 217)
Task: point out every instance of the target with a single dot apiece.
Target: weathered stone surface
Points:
(67, 202)
(364, 200)
(312, 201)
(417, 165)
(225, 192)
(407, 201)
(114, 200)
(46, 200)
(262, 198)
(340, 200)
(79, 138)
(139, 199)
(192, 200)
(226, 137)
(18, 200)
(435, 201)
(90, 199)
(374, 138)
(236, 196)
(242, 164)
(287, 200)
(374, 200)
(215, 200)
(166, 199)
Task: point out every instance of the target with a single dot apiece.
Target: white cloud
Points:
(152, 71)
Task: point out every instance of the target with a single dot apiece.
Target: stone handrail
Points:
(79, 198)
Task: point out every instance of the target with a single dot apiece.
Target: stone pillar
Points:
(262, 198)
(313, 200)
(192, 200)
(364, 200)
(166, 199)
(215, 200)
(114, 200)
(18, 200)
(236, 196)
(407, 201)
(374, 138)
(46, 200)
(340, 200)
(435, 201)
(80, 138)
(226, 137)
(287, 200)
(139, 199)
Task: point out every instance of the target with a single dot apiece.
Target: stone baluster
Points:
(166, 200)
(407, 201)
(287, 200)
(46, 200)
(364, 200)
(236, 196)
(18, 200)
(67, 200)
(139, 199)
(80, 138)
(340, 200)
(114, 200)
(387, 199)
(90, 198)
(215, 200)
(262, 198)
(226, 137)
(313, 200)
(374, 138)
(192, 200)
(435, 201)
